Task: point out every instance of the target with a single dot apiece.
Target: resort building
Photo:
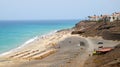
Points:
(115, 16)
(93, 18)
(112, 18)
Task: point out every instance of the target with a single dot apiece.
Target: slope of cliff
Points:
(108, 30)
(110, 59)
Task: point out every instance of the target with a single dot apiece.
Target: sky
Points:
(55, 9)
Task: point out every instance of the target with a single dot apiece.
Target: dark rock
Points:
(98, 29)
(77, 32)
(105, 27)
(111, 35)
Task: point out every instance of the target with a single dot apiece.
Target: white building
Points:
(112, 18)
(115, 16)
(93, 18)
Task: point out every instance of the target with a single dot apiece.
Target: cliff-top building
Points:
(115, 16)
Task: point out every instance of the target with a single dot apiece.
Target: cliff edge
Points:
(107, 30)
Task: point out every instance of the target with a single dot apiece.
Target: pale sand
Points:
(59, 49)
(37, 47)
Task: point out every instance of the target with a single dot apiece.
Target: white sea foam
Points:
(26, 43)
(49, 34)
(29, 41)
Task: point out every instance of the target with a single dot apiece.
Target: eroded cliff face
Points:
(108, 30)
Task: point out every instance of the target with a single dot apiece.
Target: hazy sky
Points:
(55, 9)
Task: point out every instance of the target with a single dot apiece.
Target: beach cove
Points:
(17, 33)
(59, 33)
(66, 47)
(56, 50)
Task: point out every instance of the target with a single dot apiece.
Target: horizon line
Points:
(42, 20)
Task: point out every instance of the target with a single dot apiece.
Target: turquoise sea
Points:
(15, 33)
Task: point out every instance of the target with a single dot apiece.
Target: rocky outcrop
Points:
(77, 32)
(99, 29)
(111, 35)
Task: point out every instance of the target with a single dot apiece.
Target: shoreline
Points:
(27, 42)
(32, 40)
(50, 46)
(19, 47)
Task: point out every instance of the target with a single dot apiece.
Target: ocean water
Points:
(15, 33)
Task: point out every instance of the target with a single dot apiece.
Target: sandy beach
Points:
(60, 49)
(35, 49)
